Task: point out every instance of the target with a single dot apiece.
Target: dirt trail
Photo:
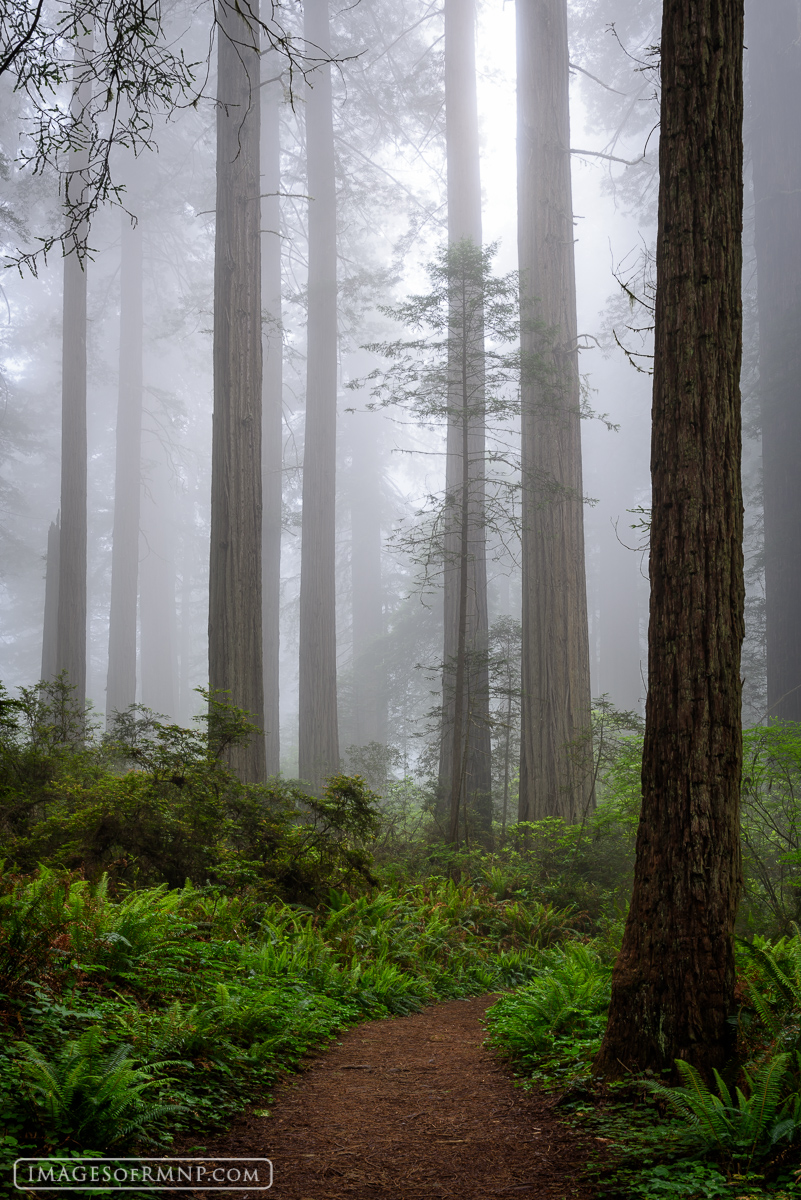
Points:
(409, 1108)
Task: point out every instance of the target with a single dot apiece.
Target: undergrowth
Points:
(129, 1020)
(740, 1138)
(172, 941)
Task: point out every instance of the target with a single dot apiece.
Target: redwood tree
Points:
(466, 735)
(673, 983)
(555, 777)
(121, 679)
(50, 624)
(318, 733)
(71, 620)
(235, 607)
(272, 388)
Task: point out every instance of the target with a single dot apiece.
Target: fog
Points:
(375, 677)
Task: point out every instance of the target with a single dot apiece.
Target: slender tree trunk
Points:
(71, 637)
(185, 696)
(157, 607)
(272, 395)
(121, 682)
(507, 755)
(50, 630)
(673, 983)
(318, 749)
(71, 624)
(774, 30)
(369, 670)
(464, 221)
(555, 776)
(235, 599)
(460, 716)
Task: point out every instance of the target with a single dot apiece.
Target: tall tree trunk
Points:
(555, 763)
(673, 983)
(461, 713)
(235, 600)
(185, 697)
(71, 636)
(369, 670)
(121, 681)
(71, 624)
(157, 608)
(50, 624)
(464, 221)
(318, 736)
(774, 30)
(272, 393)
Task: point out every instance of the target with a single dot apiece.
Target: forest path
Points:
(407, 1108)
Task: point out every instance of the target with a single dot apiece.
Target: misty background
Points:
(391, 217)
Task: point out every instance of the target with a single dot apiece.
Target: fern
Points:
(776, 997)
(739, 1128)
(91, 1096)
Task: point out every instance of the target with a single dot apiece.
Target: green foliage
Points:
(771, 827)
(203, 997)
(153, 802)
(91, 1096)
(739, 1129)
(552, 1026)
(680, 1181)
(773, 980)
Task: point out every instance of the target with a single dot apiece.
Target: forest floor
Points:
(410, 1108)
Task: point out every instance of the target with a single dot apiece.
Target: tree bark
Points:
(272, 400)
(318, 735)
(775, 78)
(71, 635)
(369, 669)
(157, 607)
(235, 599)
(121, 679)
(71, 622)
(50, 624)
(673, 983)
(555, 759)
(461, 713)
(464, 221)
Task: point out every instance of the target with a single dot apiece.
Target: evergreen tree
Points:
(673, 982)
(235, 601)
(554, 781)
(318, 726)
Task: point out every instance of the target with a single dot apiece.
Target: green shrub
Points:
(155, 803)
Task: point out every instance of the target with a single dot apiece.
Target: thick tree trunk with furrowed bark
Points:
(673, 983)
